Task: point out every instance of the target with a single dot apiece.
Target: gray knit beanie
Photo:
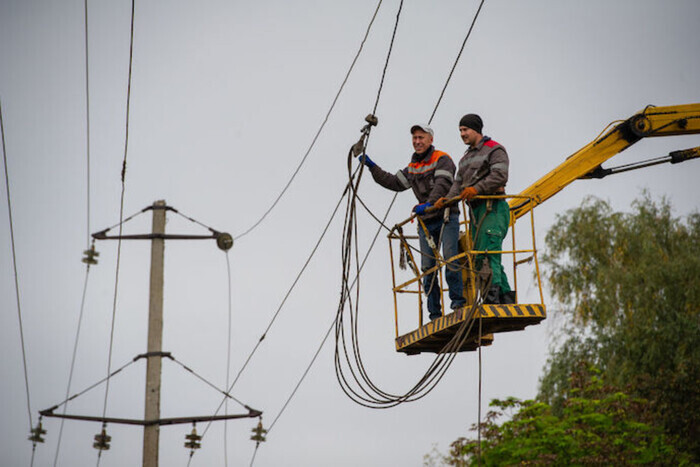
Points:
(472, 121)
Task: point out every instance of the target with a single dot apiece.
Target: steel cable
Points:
(121, 213)
(449, 77)
(16, 277)
(228, 356)
(87, 225)
(350, 226)
(382, 399)
(318, 133)
(73, 359)
(226, 394)
(92, 386)
(87, 125)
(388, 55)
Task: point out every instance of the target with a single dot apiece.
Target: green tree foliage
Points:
(598, 425)
(631, 284)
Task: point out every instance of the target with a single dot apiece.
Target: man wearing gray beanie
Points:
(483, 170)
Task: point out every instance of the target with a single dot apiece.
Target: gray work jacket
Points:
(429, 175)
(485, 167)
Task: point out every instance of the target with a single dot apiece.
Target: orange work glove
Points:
(440, 203)
(468, 193)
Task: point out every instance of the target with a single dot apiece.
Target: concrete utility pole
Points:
(151, 433)
(154, 355)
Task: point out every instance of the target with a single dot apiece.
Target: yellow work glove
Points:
(468, 193)
(440, 203)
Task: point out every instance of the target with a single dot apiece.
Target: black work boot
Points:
(508, 298)
(492, 296)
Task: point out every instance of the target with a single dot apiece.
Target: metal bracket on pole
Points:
(224, 240)
(252, 413)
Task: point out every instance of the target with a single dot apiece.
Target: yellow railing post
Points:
(393, 286)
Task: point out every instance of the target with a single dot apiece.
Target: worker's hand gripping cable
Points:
(358, 148)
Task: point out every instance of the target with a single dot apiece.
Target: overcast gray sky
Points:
(226, 97)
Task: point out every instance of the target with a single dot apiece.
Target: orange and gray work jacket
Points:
(430, 175)
(485, 167)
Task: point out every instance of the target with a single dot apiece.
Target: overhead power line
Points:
(87, 124)
(87, 223)
(121, 212)
(388, 55)
(228, 354)
(73, 359)
(449, 77)
(16, 274)
(320, 129)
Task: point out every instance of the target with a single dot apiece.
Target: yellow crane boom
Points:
(585, 163)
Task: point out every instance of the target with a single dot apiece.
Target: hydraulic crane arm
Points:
(585, 163)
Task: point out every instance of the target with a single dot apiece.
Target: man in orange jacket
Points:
(430, 175)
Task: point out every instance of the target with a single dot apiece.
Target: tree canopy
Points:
(598, 425)
(630, 282)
